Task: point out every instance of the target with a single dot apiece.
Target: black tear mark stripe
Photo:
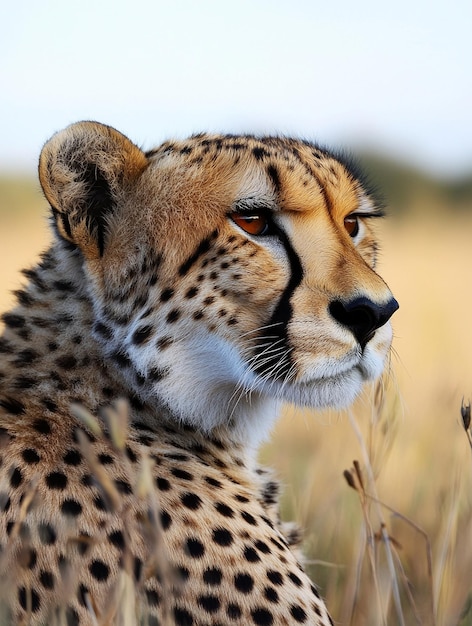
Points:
(202, 248)
(277, 327)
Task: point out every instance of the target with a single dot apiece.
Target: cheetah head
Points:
(227, 273)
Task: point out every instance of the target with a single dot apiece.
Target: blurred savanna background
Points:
(383, 492)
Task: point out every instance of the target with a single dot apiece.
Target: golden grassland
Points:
(407, 560)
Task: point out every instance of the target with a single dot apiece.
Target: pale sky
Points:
(394, 75)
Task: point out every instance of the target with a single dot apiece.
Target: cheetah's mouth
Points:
(327, 383)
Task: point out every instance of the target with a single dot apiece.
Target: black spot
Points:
(163, 343)
(121, 359)
(294, 578)
(13, 321)
(13, 406)
(25, 597)
(183, 573)
(72, 457)
(210, 604)
(50, 405)
(244, 583)
(26, 357)
(87, 480)
(130, 454)
(105, 459)
(162, 484)
(56, 480)
(173, 316)
(166, 520)
(47, 534)
(262, 547)
(46, 579)
(182, 617)
(166, 295)
(195, 548)
(24, 298)
(71, 507)
(178, 457)
(67, 361)
(191, 501)
(123, 486)
(180, 473)
(259, 153)
(137, 568)
(298, 613)
(30, 456)
(82, 594)
(250, 519)
(117, 539)
(41, 426)
(271, 594)
(72, 617)
(16, 478)
(103, 330)
(262, 617)
(24, 382)
(198, 315)
(156, 374)
(100, 503)
(212, 576)
(141, 335)
(241, 498)
(99, 570)
(192, 292)
(277, 544)
(223, 509)
(222, 536)
(5, 347)
(152, 597)
(270, 493)
(233, 611)
(275, 577)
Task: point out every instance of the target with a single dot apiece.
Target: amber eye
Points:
(351, 224)
(252, 224)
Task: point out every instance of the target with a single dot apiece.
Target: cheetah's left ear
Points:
(85, 171)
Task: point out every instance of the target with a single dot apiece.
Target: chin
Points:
(335, 392)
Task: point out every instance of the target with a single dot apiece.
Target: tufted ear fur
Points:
(85, 171)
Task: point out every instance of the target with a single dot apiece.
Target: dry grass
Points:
(384, 492)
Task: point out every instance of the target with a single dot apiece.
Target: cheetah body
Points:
(205, 282)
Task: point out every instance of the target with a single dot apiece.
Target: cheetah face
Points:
(226, 273)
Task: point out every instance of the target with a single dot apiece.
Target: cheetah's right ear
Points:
(85, 171)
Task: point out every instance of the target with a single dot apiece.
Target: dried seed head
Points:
(357, 469)
(465, 413)
(350, 479)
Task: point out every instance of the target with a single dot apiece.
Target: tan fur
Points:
(153, 294)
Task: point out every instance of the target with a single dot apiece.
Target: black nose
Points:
(362, 316)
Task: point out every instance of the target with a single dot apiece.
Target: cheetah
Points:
(189, 291)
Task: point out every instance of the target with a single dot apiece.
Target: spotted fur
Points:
(154, 291)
